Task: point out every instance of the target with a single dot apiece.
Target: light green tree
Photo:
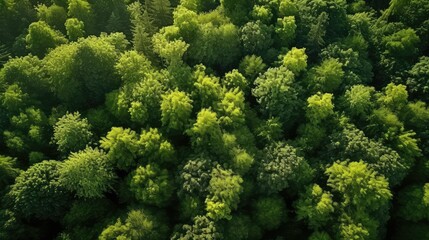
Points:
(316, 206)
(72, 133)
(139, 224)
(224, 193)
(176, 109)
(122, 146)
(75, 29)
(87, 173)
(295, 60)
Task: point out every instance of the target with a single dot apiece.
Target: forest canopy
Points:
(214, 119)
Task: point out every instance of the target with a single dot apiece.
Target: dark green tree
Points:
(37, 192)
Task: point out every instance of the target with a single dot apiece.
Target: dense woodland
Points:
(214, 119)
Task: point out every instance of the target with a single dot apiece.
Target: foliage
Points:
(41, 38)
(202, 228)
(224, 193)
(71, 133)
(139, 224)
(151, 185)
(70, 75)
(176, 109)
(122, 146)
(316, 206)
(277, 93)
(214, 119)
(269, 212)
(350, 178)
(87, 173)
(256, 37)
(38, 193)
(8, 171)
(295, 60)
(53, 15)
(75, 28)
(281, 168)
(327, 77)
(206, 133)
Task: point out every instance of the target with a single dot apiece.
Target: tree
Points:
(87, 173)
(241, 227)
(27, 131)
(71, 133)
(256, 37)
(8, 171)
(262, 13)
(316, 206)
(139, 224)
(349, 178)
(285, 30)
(37, 192)
(142, 28)
(122, 146)
(252, 66)
(53, 15)
(167, 45)
(4, 54)
(395, 6)
(412, 202)
(79, 220)
(317, 33)
(154, 148)
(202, 228)
(364, 197)
(14, 99)
(83, 67)
(27, 72)
(208, 90)
(352, 53)
(206, 134)
(327, 77)
(269, 212)
(417, 82)
(176, 109)
(206, 34)
(234, 79)
(75, 29)
(224, 193)
(359, 101)
(319, 107)
(295, 60)
(151, 185)
(133, 67)
(395, 97)
(140, 102)
(232, 108)
(287, 8)
(237, 10)
(355, 146)
(160, 11)
(82, 10)
(277, 93)
(41, 38)
(194, 176)
(282, 168)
